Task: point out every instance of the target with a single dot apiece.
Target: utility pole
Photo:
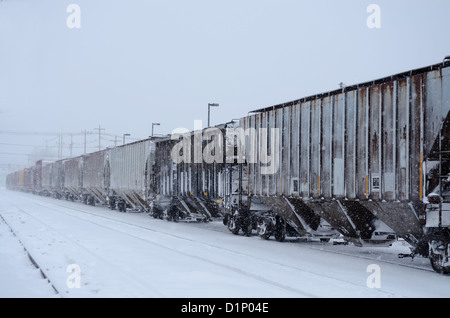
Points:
(85, 132)
(115, 141)
(60, 146)
(99, 136)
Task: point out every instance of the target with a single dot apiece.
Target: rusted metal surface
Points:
(73, 176)
(326, 148)
(338, 152)
(94, 177)
(365, 143)
(46, 180)
(57, 178)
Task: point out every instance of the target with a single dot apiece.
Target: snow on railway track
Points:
(133, 255)
(30, 281)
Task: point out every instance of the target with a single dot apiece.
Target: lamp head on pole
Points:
(154, 124)
(209, 105)
(124, 135)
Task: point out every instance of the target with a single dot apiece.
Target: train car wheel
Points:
(280, 230)
(263, 230)
(247, 228)
(232, 226)
(438, 261)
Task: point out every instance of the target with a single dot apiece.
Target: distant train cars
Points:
(368, 163)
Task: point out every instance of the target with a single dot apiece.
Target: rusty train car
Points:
(372, 154)
(368, 162)
(189, 174)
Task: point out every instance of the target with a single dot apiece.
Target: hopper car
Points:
(369, 163)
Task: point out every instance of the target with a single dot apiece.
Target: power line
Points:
(15, 154)
(34, 133)
(25, 145)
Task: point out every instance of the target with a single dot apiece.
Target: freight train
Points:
(368, 162)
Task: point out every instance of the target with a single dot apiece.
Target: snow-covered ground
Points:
(133, 255)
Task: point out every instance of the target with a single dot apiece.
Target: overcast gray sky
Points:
(134, 62)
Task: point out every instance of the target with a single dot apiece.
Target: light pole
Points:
(124, 137)
(209, 112)
(154, 124)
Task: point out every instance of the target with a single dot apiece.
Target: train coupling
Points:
(403, 255)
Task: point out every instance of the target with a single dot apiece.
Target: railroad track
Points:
(31, 258)
(306, 245)
(77, 213)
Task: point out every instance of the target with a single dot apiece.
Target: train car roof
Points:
(434, 67)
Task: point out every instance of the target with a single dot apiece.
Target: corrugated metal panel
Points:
(73, 177)
(375, 142)
(362, 156)
(93, 170)
(286, 146)
(388, 141)
(248, 127)
(263, 144)
(416, 136)
(316, 145)
(259, 119)
(350, 144)
(47, 176)
(326, 147)
(275, 123)
(57, 177)
(338, 146)
(28, 179)
(305, 116)
(402, 134)
(128, 166)
(21, 182)
(294, 185)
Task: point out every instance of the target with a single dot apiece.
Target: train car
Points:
(28, 179)
(57, 179)
(15, 180)
(95, 178)
(363, 158)
(127, 171)
(251, 206)
(10, 184)
(73, 178)
(46, 177)
(9, 181)
(21, 180)
(37, 177)
(189, 174)
(369, 162)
